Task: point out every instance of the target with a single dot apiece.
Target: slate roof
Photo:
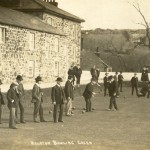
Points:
(34, 5)
(20, 19)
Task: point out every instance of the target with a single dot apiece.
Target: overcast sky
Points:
(112, 14)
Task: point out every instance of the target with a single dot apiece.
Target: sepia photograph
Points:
(74, 75)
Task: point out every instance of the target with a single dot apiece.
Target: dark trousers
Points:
(21, 107)
(78, 79)
(113, 103)
(148, 94)
(0, 113)
(12, 117)
(120, 86)
(38, 109)
(136, 89)
(88, 104)
(117, 88)
(105, 89)
(57, 107)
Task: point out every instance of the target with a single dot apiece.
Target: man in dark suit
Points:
(93, 72)
(78, 74)
(12, 104)
(1, 102)
(134, 84)
(120, 81)
(37, 99)
(105, 79)
(20, 93)
(72, 72)
(112, 93)
(69, 93)
(58, 100)
(144, 76)
(89, 93)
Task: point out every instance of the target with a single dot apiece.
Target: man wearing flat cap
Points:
(134, 84)
(105, 79)
(1, 102)
(89, 93)
(112, 93)
(12, 104)
(20, 93)
(58, 100)
(69, 93)
(37, 99)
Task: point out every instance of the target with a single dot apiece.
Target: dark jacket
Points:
(20, 90)
(69, 90)
(144, 76)
(120, 78)
(12, 95)
(88, 91)
(1, 99)
(134, 81)
(71, 72)
(78, 72)
(36, 94)
(93, 72)
(112, 88)
(105, 79)
(58, 95)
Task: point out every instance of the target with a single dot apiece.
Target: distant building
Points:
(37, 38)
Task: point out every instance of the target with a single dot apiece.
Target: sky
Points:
(107, 14)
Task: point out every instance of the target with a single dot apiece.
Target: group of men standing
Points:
(75, 71)
(62, 98)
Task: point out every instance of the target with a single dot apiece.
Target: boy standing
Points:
(134, 84)
(12, 105)
(69, 95)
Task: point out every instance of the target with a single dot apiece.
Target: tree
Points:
(145, 24)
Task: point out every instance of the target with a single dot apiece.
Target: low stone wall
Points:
(85, 78)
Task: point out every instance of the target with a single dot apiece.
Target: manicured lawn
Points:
(126, 129)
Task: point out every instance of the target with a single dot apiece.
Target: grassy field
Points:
(126, 129)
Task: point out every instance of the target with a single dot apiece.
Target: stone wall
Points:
(72, 41)
(18, 57)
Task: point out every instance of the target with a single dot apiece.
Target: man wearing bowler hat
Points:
(37, 99)
(58, 100)
(20, 93)
(1, 102)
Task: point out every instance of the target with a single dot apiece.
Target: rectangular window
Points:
(56, 68)
(31, 68)
(74, 32)
(74, 54)
(56, 45)
(2, 35)
(31, 41)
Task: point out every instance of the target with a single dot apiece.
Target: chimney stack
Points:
(52, 2)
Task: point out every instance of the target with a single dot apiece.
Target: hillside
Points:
(116, 49)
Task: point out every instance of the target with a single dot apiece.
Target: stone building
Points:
(37, 38)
